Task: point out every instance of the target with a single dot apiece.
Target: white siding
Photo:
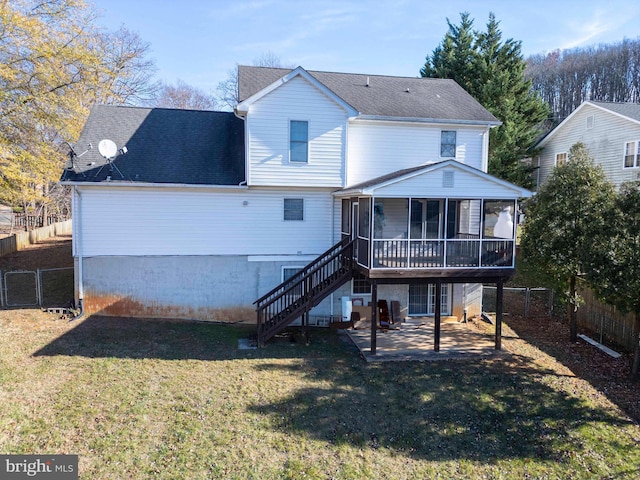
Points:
(268, 136)
(605, 142)
(164, 221)
(379, 148)
(430, 185)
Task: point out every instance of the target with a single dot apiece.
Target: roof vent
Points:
(407, 90)
(448, 179)
(367, 81)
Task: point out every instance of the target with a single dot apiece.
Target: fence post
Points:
(1, 291)
(38, 287)
(551, 303)
(527, 300)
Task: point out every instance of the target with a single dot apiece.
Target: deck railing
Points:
(303, 291)
(439, 253)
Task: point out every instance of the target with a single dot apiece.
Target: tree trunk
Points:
(635, 366)
(573, 317)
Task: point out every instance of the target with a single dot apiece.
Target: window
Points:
(561, 159)
(299, 141)
(448, 143)
(632, 154)
(422, 299)
(287, 273)
(294, 209)
(360, 285)
(589, 122)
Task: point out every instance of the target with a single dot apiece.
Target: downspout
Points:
(246, 147)
(78, 250)
(485, 150)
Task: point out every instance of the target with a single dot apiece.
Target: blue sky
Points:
(199, 41)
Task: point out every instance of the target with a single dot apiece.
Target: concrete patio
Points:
(413, 339)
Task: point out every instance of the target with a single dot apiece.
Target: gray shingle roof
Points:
(164, 146)
(631, 110)
(426, 98)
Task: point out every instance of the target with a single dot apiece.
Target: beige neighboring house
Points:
(6, 217)
(611, 132)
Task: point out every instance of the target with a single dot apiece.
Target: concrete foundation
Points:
(216, 288)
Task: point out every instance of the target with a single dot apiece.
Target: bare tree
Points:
(183, 95)
(228, 89)
(565, 79)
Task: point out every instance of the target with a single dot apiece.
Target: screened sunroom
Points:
(431, 233)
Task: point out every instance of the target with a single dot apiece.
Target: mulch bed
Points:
(546, 341)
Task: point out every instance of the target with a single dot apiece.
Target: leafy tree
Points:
(54, 63)
(183, 95)
(492, 71)
(561, 221)
(613, 269)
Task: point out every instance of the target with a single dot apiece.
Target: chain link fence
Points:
(44, 288)
(528, 302)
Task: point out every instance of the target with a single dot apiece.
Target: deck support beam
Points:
(499, 300)
(437, 316)
(374, 315)
(305, 320)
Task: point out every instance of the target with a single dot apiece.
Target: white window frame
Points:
(636, 154)
(284, 210)
(593, 122)
(291, 141)
(566, 158)
(455, 143)
(445, 307)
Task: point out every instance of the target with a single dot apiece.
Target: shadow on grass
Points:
(609, 375)
(135, 338)
(439, 411)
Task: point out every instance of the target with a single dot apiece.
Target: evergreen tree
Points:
(561, 221)
(492, 71)
(613, 269)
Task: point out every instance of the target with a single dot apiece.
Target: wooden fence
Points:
(605, 322)
(21, 240)
(36, 221)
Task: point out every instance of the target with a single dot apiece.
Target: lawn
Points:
(149, 398)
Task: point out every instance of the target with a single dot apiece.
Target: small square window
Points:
(294, 209)
(361, 286)
(299, 141)
(561, 159)
(448, 143)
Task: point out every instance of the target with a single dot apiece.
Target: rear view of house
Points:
(320, 186)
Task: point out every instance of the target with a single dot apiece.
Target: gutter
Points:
(155, 185)
(441, 121)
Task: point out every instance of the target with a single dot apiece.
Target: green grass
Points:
(140, 399)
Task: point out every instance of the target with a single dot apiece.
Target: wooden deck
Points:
(414, 340)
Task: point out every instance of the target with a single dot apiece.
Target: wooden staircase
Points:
(306, 289)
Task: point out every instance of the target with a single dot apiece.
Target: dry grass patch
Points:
(143, 398)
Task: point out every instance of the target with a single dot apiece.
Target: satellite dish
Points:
(107, 148)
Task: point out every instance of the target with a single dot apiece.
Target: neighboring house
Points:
(611, 133)
(208, 211)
